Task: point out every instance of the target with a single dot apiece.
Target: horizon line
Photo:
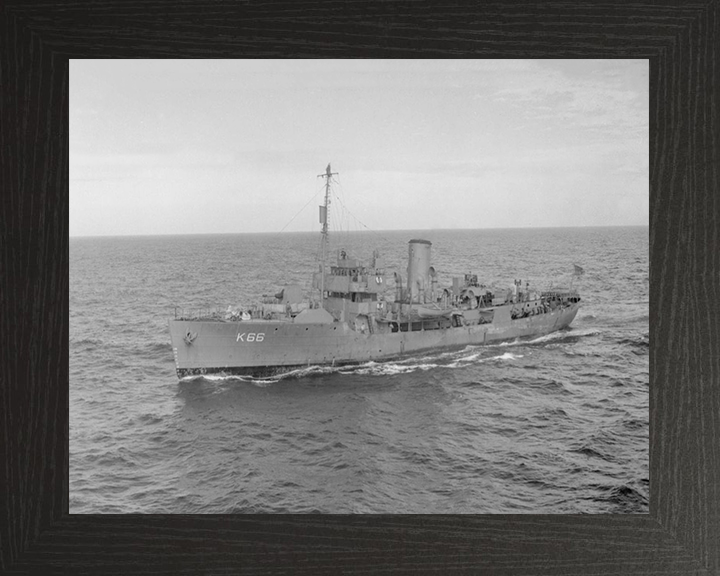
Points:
(358, 231)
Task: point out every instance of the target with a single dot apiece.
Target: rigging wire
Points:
(341, 224)
(301, 209)
(355, 217)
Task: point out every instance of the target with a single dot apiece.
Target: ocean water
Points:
(555, 424)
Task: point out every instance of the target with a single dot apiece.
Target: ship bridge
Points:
(352, 288)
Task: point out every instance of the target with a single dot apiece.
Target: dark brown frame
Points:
(682, 531)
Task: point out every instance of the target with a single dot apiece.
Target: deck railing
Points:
(267, 311)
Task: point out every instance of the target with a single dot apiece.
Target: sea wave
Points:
(85, 343)
(642, 341)
(624, 498)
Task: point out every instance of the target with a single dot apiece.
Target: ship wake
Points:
(567, 335)
(468, 356)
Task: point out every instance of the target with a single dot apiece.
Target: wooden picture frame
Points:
(681, 533)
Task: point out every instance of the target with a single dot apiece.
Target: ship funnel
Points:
(418, 269)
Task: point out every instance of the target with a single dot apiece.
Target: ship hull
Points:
(261, 348)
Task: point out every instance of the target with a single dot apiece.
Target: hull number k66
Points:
(250, 337)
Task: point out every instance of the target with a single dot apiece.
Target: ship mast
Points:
(324, 221)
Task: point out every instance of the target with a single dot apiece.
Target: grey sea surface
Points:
(555, 424)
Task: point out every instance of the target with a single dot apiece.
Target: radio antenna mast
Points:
(324, 221)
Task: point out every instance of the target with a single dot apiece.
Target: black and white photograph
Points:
(359, 286)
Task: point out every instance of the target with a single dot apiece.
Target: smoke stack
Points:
(418, 268)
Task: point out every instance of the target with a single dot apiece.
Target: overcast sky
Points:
(228, 146)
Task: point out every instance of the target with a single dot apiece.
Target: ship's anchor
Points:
(189, 337)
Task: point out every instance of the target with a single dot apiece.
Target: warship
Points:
(362, 311)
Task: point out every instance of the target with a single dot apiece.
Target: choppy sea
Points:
(556, 424)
